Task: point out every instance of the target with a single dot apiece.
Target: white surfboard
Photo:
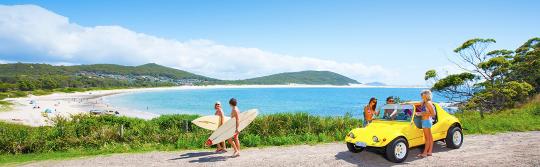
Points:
(210, 122)
(227, 130)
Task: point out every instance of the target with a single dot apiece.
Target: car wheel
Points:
(353, 148)
(454, 137)
(397, 150)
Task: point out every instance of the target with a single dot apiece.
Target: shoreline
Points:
(24, 109)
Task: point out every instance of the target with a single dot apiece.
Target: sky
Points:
(388, 41)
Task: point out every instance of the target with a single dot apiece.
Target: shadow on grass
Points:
(367, 158)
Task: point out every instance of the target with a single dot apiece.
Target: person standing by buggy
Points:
(427, 111)
(235, 115)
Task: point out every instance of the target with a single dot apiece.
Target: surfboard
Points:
(209, 122)
(227, 130)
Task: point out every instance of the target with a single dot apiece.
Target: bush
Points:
(166, 132)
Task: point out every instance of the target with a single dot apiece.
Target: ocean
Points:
(330, 101)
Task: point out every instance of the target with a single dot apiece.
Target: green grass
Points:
(85, 135)
(5, 106)
(524, 118)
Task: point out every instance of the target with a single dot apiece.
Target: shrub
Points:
(165, 132)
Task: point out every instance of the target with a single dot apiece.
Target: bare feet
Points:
(421, 155)
(221, 151)
(235, 154)
(429, 155)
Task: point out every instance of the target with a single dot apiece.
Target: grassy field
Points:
(5, 106)
(85, 135)
(523, 118)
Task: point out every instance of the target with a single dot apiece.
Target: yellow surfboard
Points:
(209, 122)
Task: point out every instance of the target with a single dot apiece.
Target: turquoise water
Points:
(318, 101)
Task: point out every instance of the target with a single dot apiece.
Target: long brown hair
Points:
(374, 105)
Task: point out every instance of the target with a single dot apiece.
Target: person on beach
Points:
(427, 111)
(235, 114)
(370, 111)
(219, 112)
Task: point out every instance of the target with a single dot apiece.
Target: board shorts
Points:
(426, 123)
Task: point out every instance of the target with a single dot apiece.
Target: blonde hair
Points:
(427, 92)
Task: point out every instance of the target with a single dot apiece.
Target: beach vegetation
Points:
(491, 80)
(167, 132)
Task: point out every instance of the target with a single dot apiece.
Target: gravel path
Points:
(507, 149)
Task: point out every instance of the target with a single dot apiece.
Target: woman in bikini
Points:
(427, 111)
(369, 111)
(219, 112)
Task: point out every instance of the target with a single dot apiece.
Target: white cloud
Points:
(31, 33)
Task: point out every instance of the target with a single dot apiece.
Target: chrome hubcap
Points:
(400, 151)
(457, 138)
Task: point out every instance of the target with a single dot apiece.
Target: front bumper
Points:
(360, 144)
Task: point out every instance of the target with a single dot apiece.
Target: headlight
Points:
(351, 135)
(375, 139)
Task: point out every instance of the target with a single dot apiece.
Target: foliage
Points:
(165, 132)
(526, 63)
(524, 118)
(29, 77)
(501, 95)
(494, 80)
(5, 106)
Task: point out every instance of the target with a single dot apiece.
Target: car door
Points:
(414, 134)
(438, 129)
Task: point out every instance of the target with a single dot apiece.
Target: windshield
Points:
(396, 112)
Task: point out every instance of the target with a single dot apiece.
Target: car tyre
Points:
(398, 150)
(454, 137)
(352, 148)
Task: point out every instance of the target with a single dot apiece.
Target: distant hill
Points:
(151, 69)
(152, 74)
(376, 84)
(302, 77)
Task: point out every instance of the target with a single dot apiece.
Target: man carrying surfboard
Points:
(235, 114)
(219, 112)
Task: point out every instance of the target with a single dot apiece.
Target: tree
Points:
(492, 80)
(26, 85)
(526, 63)
(4, 87)
(48, 83)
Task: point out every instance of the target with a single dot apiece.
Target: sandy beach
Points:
(31, 110)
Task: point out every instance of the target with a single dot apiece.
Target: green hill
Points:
(29, 77)
(151, 69)
(302, 77)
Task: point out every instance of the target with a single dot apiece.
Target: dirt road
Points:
(508, 149)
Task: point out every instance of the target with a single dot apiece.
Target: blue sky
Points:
(399, 40)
